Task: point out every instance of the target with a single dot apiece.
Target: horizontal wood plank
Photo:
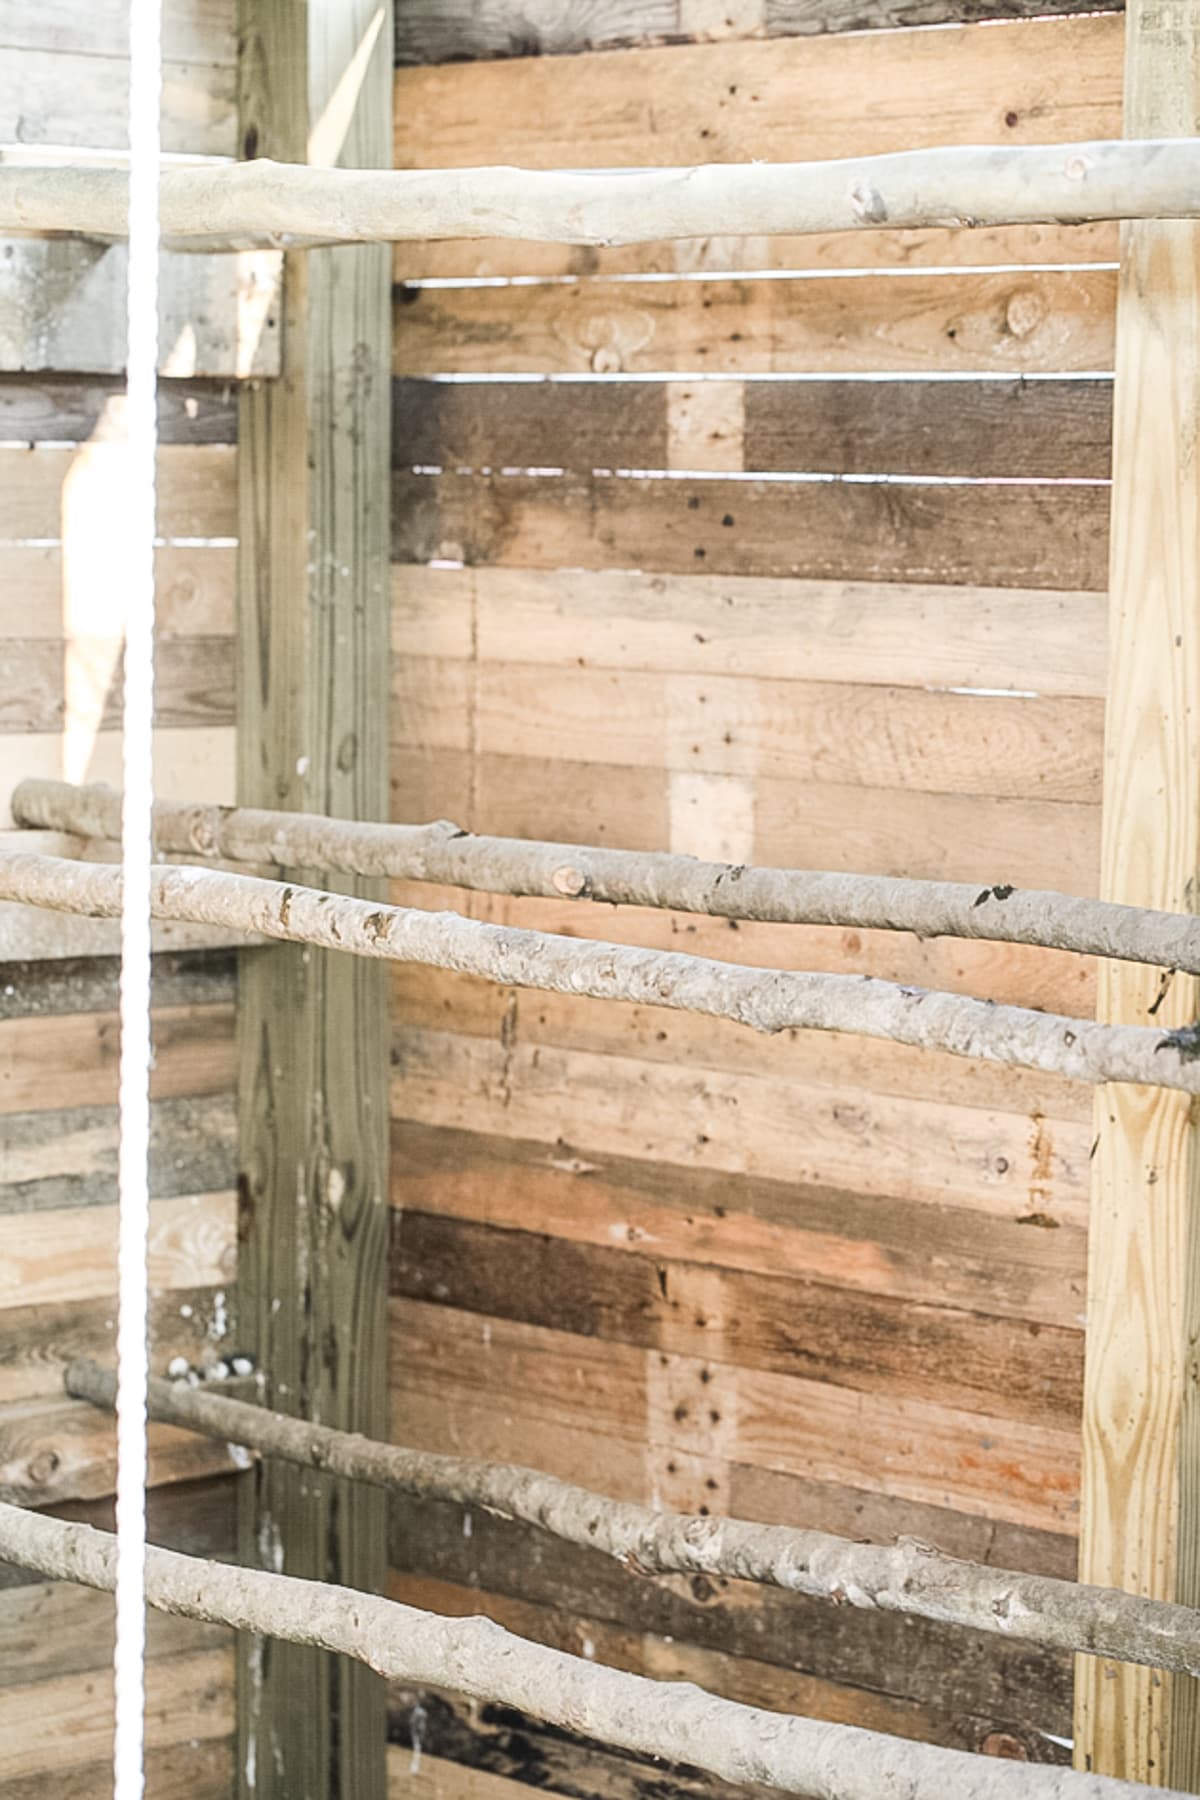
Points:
(970, 323)
(1023, 535)
(908, 1659)
(845, 1336)
(873, 1244)
(69, 494)
(997, 429)
(49, 1727)
(69, 408)
(67, 1060)
(199, 31)
(451, 31)
(49, 1258)
(50, 590)
(1040, 81)
(90, 985)
(755, 729)
(200, 1769)
(848, 1139)
(944, 837)
(83, 100)
(68, 1158)
(55, 1450)
(929, 637)
(587, 1411)
(38, 1342)
(40, 684)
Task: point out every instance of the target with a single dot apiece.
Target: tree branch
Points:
(267, 205)
(904, 1578)
(446, 854)
(767, 1000)
(481, 1660)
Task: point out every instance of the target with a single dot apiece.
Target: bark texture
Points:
(444, 853)
(673, 1720)
(767, 1000)
(907, 1577)
(271, 205)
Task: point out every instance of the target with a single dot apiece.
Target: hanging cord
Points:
(129, 1661)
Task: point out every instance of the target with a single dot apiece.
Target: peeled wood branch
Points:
(267, 205)
(446, 854)
(481, 1660)
(767, 1000)
(904, 1578)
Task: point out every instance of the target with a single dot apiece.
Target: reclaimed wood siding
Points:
(64, 80)
(792, 552)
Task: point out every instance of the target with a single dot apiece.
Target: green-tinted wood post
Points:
(315, 85)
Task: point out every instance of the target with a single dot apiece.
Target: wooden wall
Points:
(712, 589)
(63, 76)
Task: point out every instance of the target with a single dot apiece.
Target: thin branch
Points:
(446, 854)
(267, 205)
(481, 1660)
(767, 1000)
(903, 1578)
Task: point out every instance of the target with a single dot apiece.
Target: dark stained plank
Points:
(1005, 1368)
(442, 31)
(1034, 430)
(529, 424)
(70, 408)
(1003, 536)
(83, 984)
(947, 1255)
(192, 1151)
(948, 1669)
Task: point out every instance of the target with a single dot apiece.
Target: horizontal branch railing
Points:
(269, 205)
(483, 1661)
(907, 1577)
(444, 853)
(767, 1000)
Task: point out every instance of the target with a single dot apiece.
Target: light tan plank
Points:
(41, 593)
(930, 637)
(52, 1451)
(76, 495)
(972, 323)
(710, 1119)
(72, 1059)
(70, 1253)
(756, 728)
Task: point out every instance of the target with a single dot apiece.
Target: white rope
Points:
(129, 1659)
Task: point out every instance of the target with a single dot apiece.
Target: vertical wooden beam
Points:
(1141, 1442)
(315, 85)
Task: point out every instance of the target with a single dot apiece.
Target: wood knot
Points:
(1003, 1743)
(606, 361)
(1024, 312)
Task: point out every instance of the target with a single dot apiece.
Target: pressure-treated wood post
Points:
(315, 85)
(1141, 1442)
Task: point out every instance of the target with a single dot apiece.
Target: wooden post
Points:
(1141, 1426)
(315, 85)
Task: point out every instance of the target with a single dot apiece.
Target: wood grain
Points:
(451, 31)
(55, 1450)
(694, 1118)
(879, 1245)
(312, 693)
(865, 1342)
(1050, 536)
(582, 1409)
(1038, 430)
(756, 728)
(193, 1055)
(1140, 1417)
(49, 1257)
(925, 636)
(62, 408)
(974, 323)
(197, 495)
(193, 684)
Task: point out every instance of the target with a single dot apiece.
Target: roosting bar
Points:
(318, 1019)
